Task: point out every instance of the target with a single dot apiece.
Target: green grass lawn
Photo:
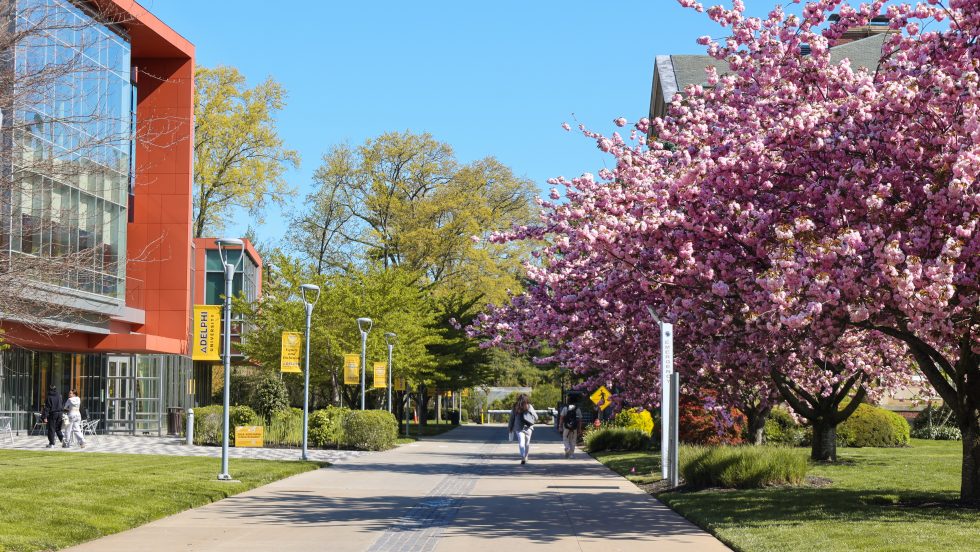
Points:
(51, 500)
(877, 499)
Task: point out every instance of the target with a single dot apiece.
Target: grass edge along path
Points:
(431, 429)
(874, 499)
(52, 499)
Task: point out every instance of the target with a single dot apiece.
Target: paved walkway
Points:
(169, 446)
(464, 490)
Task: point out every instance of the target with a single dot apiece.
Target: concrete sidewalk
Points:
(464, 490)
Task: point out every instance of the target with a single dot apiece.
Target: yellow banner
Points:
(207, 332)
(352, 369)
(292, 342)
(249, 436)
(380, 374)
(398, 383)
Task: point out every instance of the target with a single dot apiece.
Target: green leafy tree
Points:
(390, 298)
(239, 158)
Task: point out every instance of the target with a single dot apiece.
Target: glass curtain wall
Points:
(72, 151)
(26, 375)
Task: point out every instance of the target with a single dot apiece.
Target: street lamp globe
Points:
(310, 292)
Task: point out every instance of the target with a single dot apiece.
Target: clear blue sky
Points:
(489, 78)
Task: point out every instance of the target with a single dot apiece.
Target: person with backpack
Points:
(570, 422)
(51, 414)
(522, 420)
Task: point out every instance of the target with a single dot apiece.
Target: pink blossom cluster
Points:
(794, 218)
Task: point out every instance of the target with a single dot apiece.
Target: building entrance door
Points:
(120, 395)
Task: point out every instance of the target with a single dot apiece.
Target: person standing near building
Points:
(570, 423)
(522, 420)
(51, 414)
(73, 407)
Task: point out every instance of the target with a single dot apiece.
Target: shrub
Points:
(208, 423)
(940, 416)
(781, 429)
(369, 429)
(545, 395)
(871, 426)
(939, 433)
(703, 422)
(270, 396)
(326, 426)
(741, 467)
(615, 438)
(284, 428)
(634, 418)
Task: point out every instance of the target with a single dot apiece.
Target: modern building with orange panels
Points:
(127, 351)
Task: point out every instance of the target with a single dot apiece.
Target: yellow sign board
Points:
(249, 436)
(398, 383)
(465, 393)
(602, 398)
(292, 342)
(206, 332)
(380, 374)
(352, 369)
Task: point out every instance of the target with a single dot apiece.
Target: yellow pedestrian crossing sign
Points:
(601, 397)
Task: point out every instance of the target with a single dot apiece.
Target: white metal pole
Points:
(363, 365)
(391, 346)
(666, 369)
(229, 274)
(306, 379)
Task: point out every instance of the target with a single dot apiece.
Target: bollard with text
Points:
(666, 369)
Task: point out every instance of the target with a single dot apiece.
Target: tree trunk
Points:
(970, 477)
(334, 389)
(823, 447)
(756, 423)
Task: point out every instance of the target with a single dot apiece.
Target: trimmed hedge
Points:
(208, 423)
(781, 429)
(616, 438)
(741, 467)
(369, 429)
(634, 418)
(871, 426)
(326, 428)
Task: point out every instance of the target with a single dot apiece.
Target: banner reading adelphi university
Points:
(207, 332)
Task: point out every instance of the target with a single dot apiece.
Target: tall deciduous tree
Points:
(402, 199)
(239, 158)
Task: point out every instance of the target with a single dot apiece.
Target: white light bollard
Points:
(190, 426)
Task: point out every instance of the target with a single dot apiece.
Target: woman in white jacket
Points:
(73, 410)
(522, 420)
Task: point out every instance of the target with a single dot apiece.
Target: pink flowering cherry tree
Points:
(823, 206)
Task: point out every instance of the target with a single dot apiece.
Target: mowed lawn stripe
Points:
(881, 499)
(51, 500)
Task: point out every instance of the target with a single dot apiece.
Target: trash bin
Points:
(174, 417)
(454, 417)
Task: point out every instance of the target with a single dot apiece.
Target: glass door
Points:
(120, 416)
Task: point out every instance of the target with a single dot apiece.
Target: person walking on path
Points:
(522, 420)
(73, 407)
(570, 424)
(51, 414)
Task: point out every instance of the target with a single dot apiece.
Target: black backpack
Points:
(571, 417)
